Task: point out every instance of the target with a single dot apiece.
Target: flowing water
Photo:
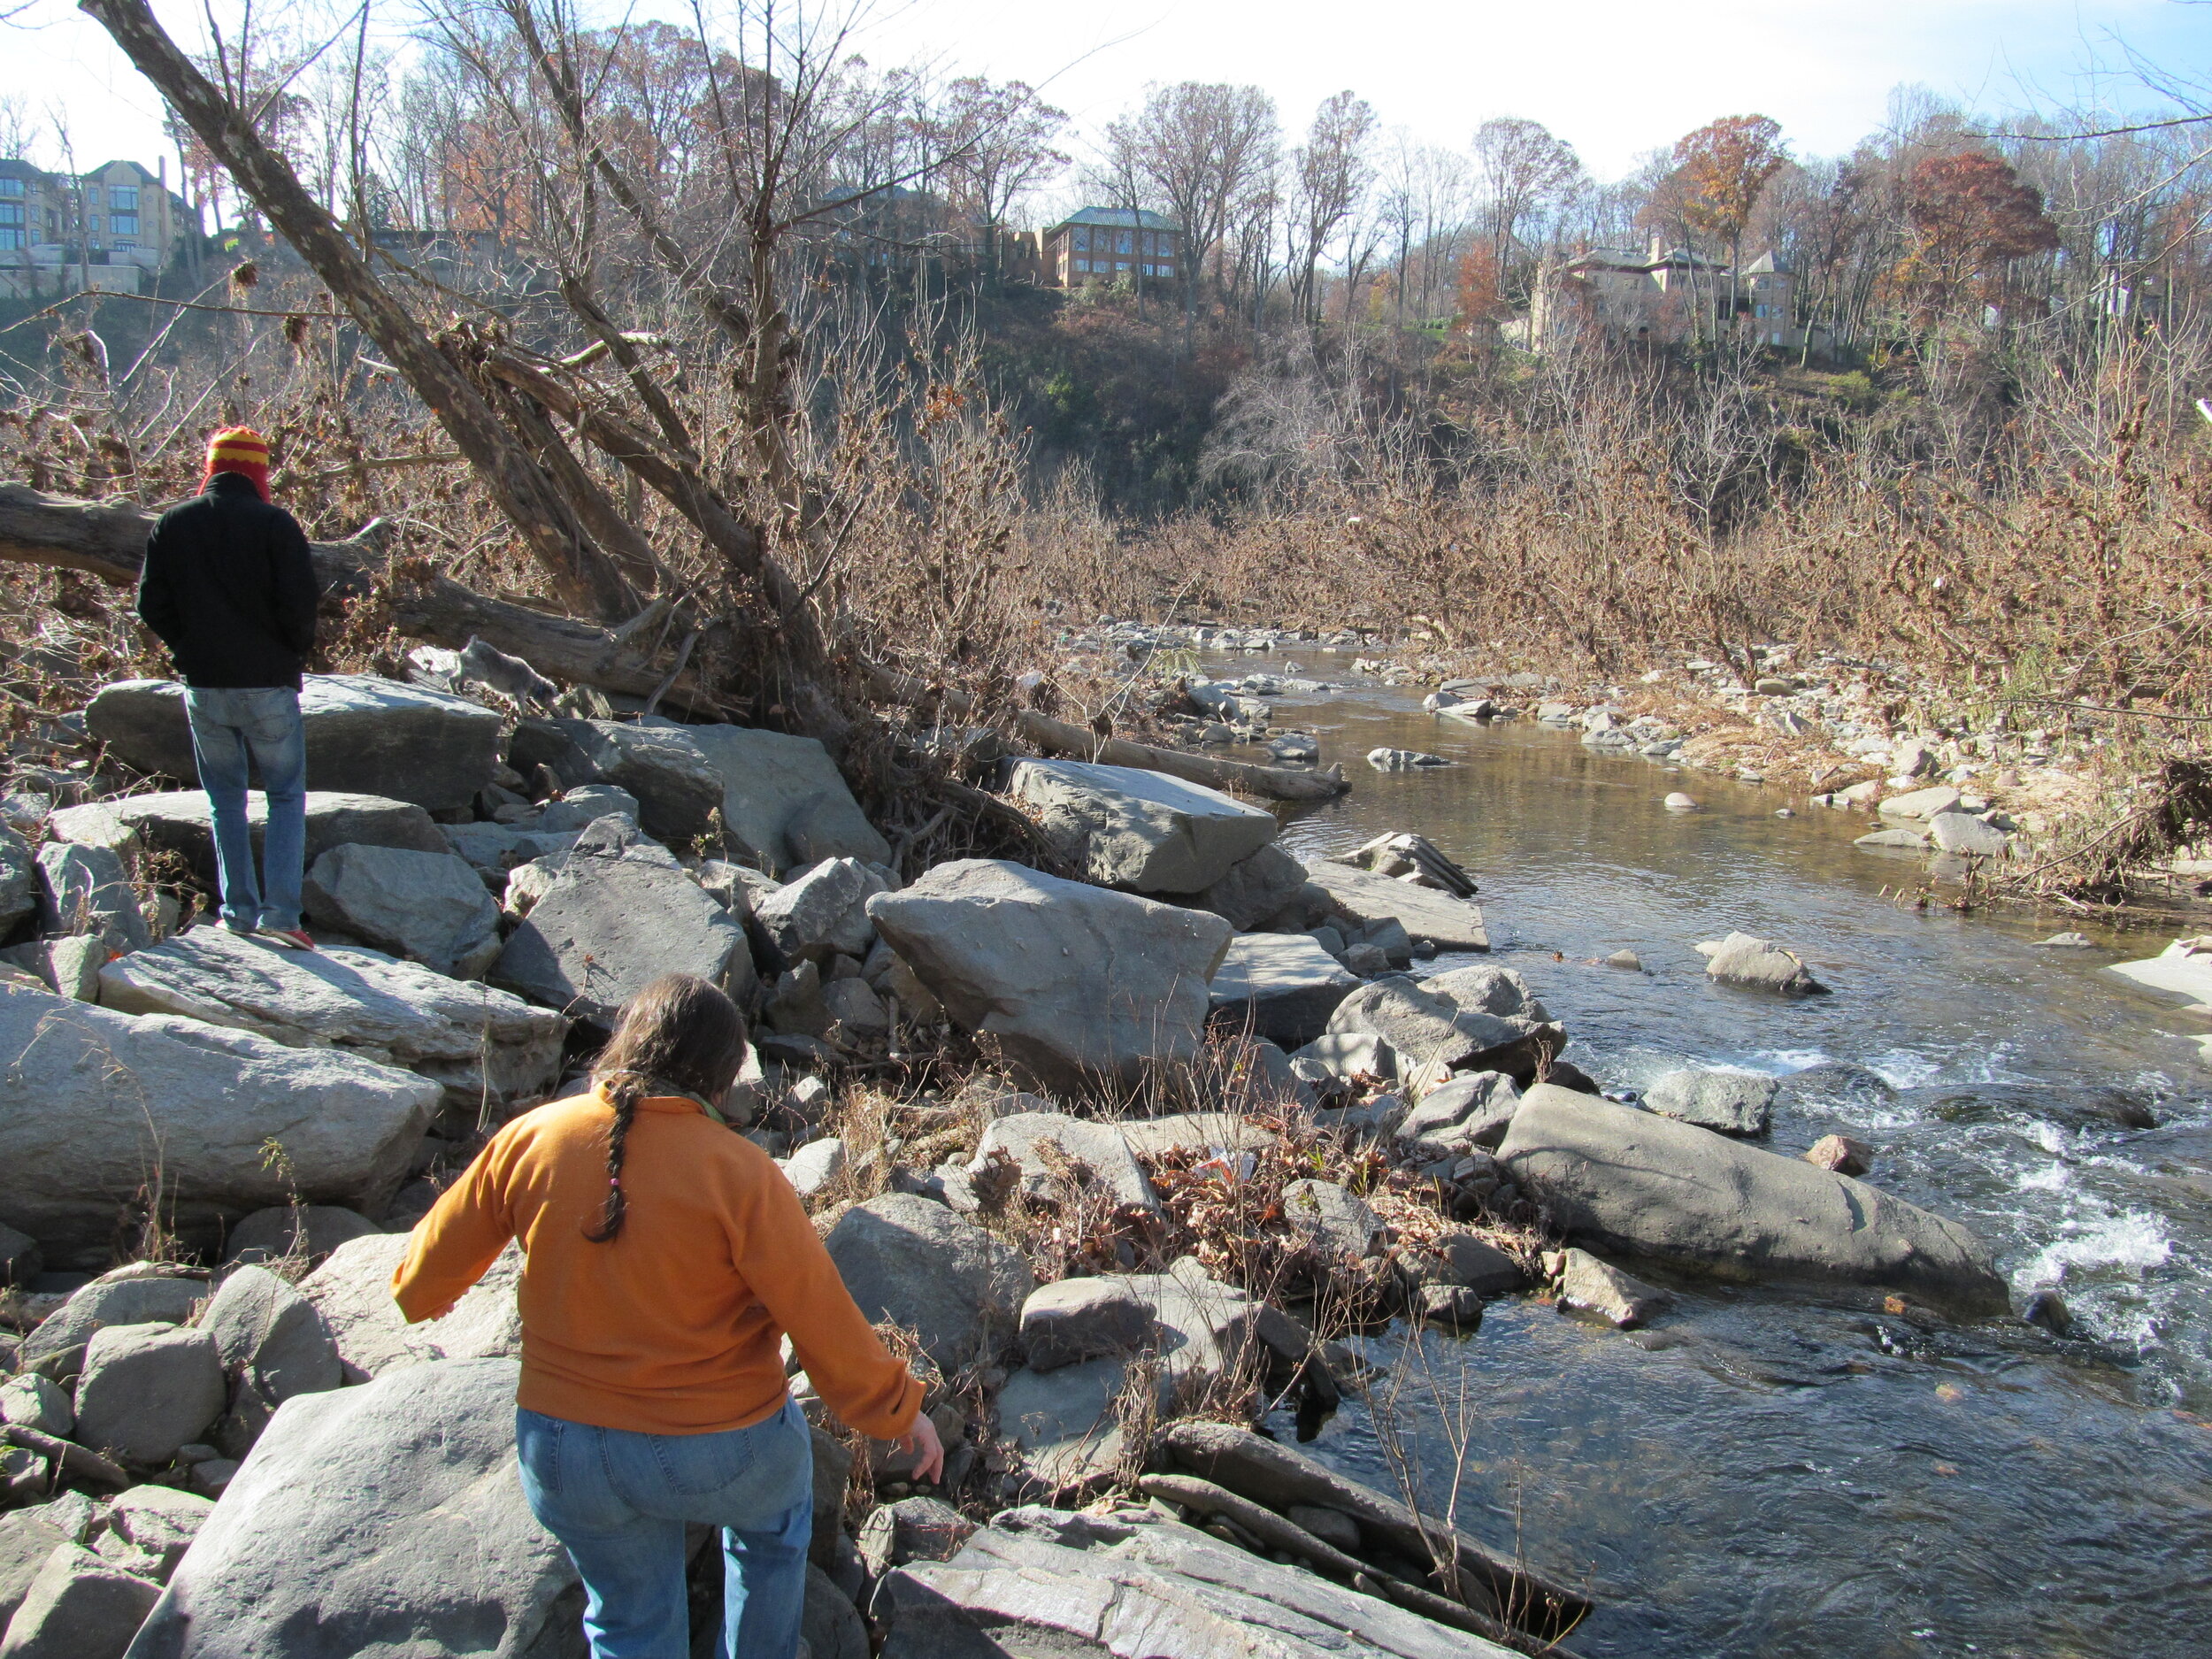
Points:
(1766, 1472)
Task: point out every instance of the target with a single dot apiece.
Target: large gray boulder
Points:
(1634, 1182)
(429, 907)
(179, 822)
(1366, 898)
(382, 1520)
(146, 1390)
(264, 1328)
(1043, 1143)
(94, 1105)
(87, 891)
(919, 1265)
(1470, 1112)
(1759, 964)
(604, 928)
(78, 1606)
(1130, 1582)
(823, 912)
(1282, 986)
(1142, 830)
(308, 1231)
(784, 803)
(1254, 888)
(477, 1042)
(18, 879)
(1078, 984)
(364, 735)
(1727, 1102)
(125, 1297)
(1073, 1319)
(678, 789)
(1428, 1027)
(352, 1291)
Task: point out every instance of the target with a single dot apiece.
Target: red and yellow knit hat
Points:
(239, 450)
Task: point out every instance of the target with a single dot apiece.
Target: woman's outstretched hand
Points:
(928, 1451)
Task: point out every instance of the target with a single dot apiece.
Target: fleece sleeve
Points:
(784, 1261)
(292, 574)
(156, 599)
(454, 1246)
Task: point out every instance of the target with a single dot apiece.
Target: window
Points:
(10, 213)
(11, 240)
(96, 224)
(1083, 239)
(125, 242)
(12, 188)
(1125, 245)
(1121, 265)
(92, 196)
(123, 224)
(124, 196)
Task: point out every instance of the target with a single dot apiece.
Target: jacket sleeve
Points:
(293, 573)
(784, 1261)
(156, 599)
(453, 1245)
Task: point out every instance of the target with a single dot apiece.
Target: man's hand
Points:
(926, 1449)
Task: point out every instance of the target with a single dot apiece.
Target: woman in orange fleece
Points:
(663, 1256)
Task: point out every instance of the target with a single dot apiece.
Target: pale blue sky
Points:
(1614, 77)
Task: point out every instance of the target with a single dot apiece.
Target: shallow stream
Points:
(1765, 1473)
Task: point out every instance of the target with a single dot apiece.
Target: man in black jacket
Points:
(229, 586)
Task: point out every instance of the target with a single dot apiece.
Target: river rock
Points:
(78, 1606)
(1760, 965)
(1331, 1221)
(1130, 1582)
(261, 1325)
(1588, 1285)
(147, 1389)
(1074, 1319)
(1920, 804)
(1039, 1140)
(823, 912)
(1350, 1057)
(87, 891)
(383, 1519)
(1469, 1111)
(1894, 839)
(1256, 889)
(919, 1265)
(604, 928)
(352, 1291)
(1841, 1155)
(153, 1526)
(1968, 837)
(815, 1166)
(1728, 1102)
(201, 1106)
(678, 789)
(429, 907)
(1140, 830)
(1282, 986)
(364, 735)
(784, 803)
(912, 1529)
(477, 1042)
(1076, 984)
(1636, 1182)
(34, 1402)
(56, 1349)
(20, 879)
(1403, 760)
(27, 1537)
(498, 852)
(274, 1233)
(1428, 1027)
(179, 822)
(1472, 1264)
(1365, 898)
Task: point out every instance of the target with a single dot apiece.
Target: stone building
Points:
(111, 229)
(1100, 244)
(1663, 296)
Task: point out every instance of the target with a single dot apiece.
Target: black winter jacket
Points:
(229, 586)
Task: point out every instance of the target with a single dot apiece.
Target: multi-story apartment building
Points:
(111, 229)
(1101, 244)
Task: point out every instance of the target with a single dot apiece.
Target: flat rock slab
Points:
(2179, 969)
(1045, 1144)
(1134, 1585)
(352, 1291)
(386, 1519)
(1634, 1182)
(178, 821)
(784, 801)
(1140, 830)
(1920, 804)
(604, 928)
(1429, 1028)
(1081, 986)
(473, 1040)
(1365, 898)
(429, 907)
(1282, 986)
(1968, 837)
(1225, 1131)
(93, 1100)
(1727, 1102)
(364, 735)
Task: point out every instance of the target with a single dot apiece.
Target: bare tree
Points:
(1333, 176)
(1526, 172)
(998, 141)
(1196, 150)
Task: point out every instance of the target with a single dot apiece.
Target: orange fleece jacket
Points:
(673, 1327)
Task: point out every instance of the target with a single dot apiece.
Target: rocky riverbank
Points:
(1122, 1154)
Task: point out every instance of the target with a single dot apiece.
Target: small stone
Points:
(1730, 1103)
(1332, 1221)
(1453, 1305)
(2047, 1308)
(912, 1529)
(1588, 1285)
(1679, 802)
(211, 1477)
(33, 1402)
(1840, 1155)
(2066, 942)
(815, 1166)
(1627, 959)
(1330, 1526)
(159, 1522)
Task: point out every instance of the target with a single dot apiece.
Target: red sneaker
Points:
(290, 938)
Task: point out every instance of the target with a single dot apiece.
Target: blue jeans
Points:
(227, 726)
(618, 1502)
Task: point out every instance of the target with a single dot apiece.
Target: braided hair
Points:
(679, 1035)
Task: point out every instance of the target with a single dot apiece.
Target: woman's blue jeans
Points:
(618, 1502)
(227, 726)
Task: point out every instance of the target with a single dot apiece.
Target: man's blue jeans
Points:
(618, 1502)
(228, 727)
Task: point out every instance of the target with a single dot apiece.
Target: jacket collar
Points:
(231, 484)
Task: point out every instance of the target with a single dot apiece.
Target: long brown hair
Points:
(679, 1035)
